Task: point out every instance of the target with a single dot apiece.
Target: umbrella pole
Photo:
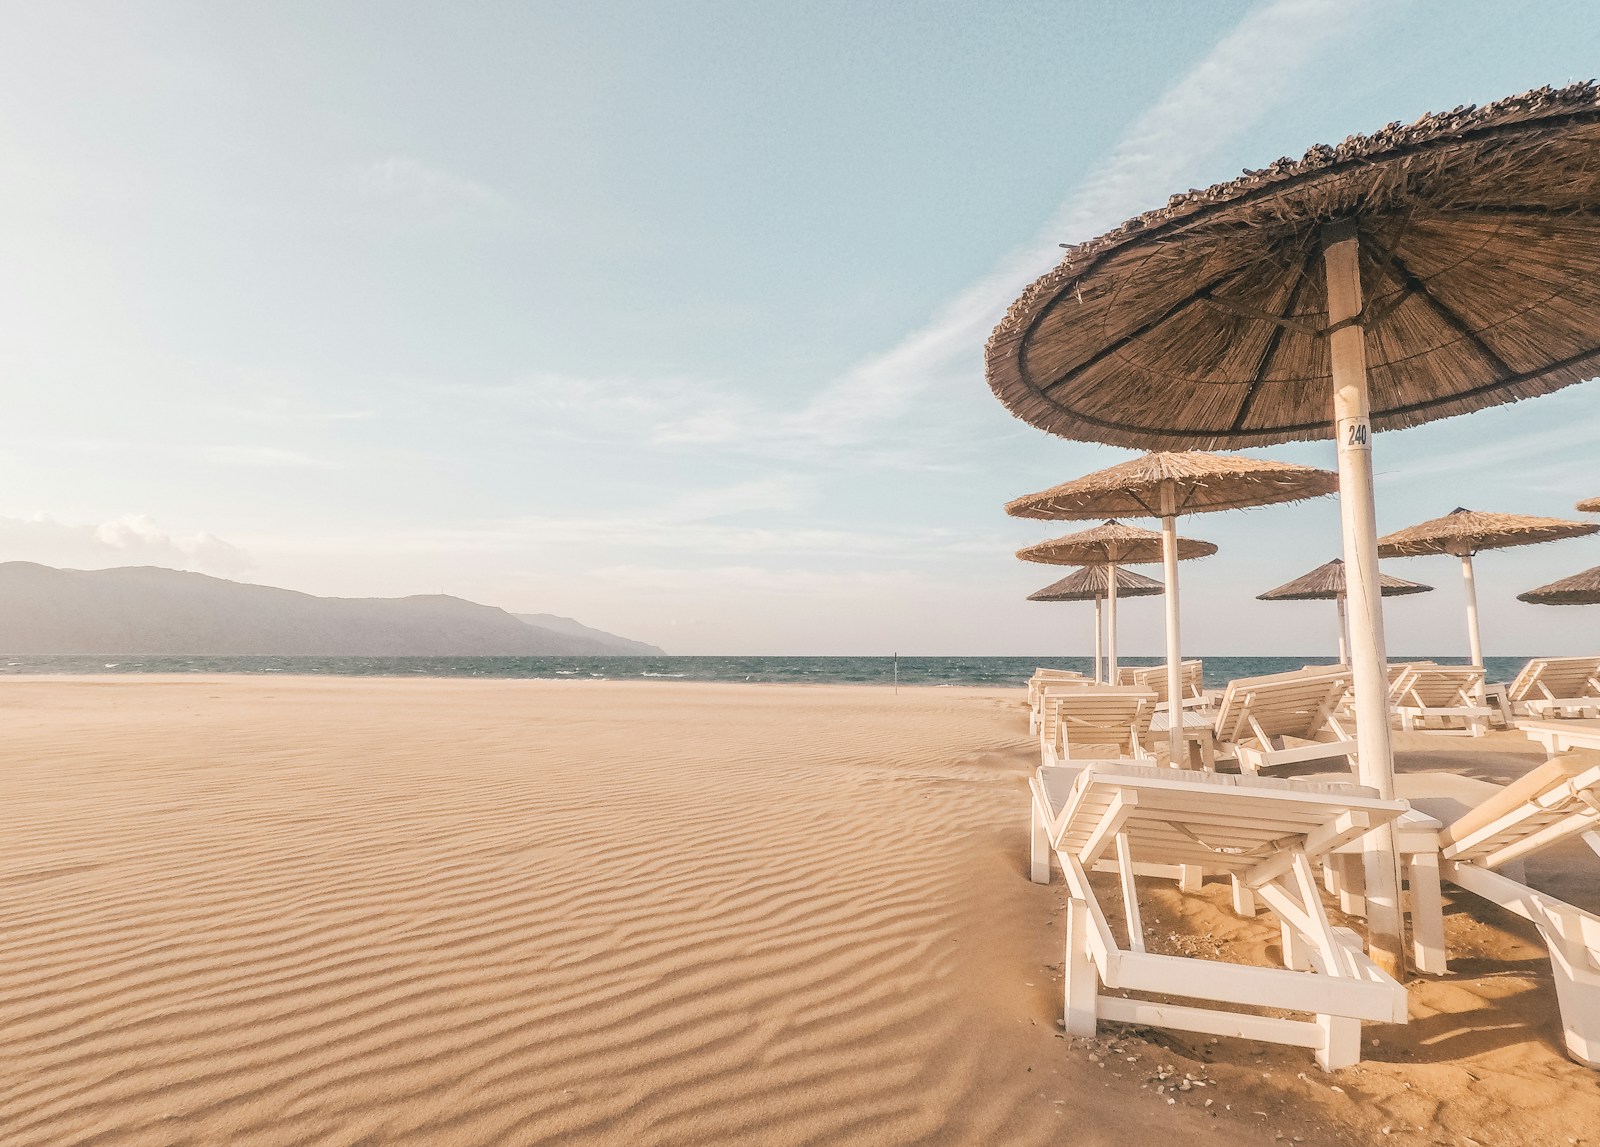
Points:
(1111, 623)
(1469, 583)
(1099, 630)
(1169, 562)
(1344, 633)
(1358, 516)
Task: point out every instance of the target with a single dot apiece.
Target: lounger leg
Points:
(1341, 1042)
(1244, 899)
(1578, 996)
(1296, 952)
(1352, 884)
(1082, 980)
(1427, 913)
(1040, 867)
(1190, 877)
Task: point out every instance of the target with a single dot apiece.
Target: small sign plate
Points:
(1355, 434)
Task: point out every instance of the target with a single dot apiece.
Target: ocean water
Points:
(991, 671)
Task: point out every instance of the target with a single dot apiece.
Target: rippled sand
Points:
(309, 911)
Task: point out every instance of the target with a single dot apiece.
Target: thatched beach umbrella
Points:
(1428, 270)
(1093, 583)
(1112, 544)
(1164, 485)
(1326, 583)
(1589, 506)
(1579, 589)
(1466, 532)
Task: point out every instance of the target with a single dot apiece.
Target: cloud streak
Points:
(1226, 93)
(133, 539)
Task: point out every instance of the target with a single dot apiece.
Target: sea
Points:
(882, 670)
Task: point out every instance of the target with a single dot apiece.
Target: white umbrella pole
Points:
(1099, 630)
(1469, 583)
(1344, 632)
(1358, 515)
(1111, 623)
(1169, 564)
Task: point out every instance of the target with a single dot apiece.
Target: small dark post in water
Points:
(897, 675)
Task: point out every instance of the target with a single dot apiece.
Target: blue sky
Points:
(669, 316)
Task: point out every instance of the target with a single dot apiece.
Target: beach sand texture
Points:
(311, 911)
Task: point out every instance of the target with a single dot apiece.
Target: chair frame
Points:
(1115, 807)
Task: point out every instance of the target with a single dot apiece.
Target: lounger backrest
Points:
(1103, 715)
(1154, 678)
(1556, 800)
(1044, 677)
(1293, 704)
(1556, 679)
(1437, 686)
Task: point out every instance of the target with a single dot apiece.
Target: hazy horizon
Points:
(670, 319)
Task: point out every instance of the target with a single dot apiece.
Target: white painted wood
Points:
(1039, 856)
(1169, 563)
(1130, 894)
(1344, 633)
(1469, 585)
(1240, 1025)
(1111, 623)
(1244, 898)
(1082, 985)
(1099, 638)
(1427, 913)
(1341, 1042)
(1352, 426)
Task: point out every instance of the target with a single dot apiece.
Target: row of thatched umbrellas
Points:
(1461, 532)
(1428, 270)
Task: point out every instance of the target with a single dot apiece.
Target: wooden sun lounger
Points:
(1557, 687)
(1154, 678)
(1481, 852)
(1096, 721)
(1266, 836)
(1043, 682)
(1439, 698)
(1285, 719)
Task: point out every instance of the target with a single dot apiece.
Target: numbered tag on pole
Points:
(1355, 434)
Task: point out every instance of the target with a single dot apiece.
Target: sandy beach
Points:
(251, 910)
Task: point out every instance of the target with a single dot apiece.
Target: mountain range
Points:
(148, 610)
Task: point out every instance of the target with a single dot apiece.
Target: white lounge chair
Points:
(1482, 851)
(1557, 687)
(1096, 721)
(1154, 678)
(1266, 835)
(1042, 682)
(1285, 719)
(1440, 698)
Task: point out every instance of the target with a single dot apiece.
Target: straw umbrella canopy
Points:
(1167, 484)
(1466, 532)
(1424, 271)
(1112, 544)
(1579, 589)
(1093, 583)
(1326, 583)
(1589, 506)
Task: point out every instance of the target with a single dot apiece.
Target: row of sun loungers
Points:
(1100, 803)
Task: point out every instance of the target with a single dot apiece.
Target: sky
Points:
(669, 316)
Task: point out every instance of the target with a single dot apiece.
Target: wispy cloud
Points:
(881, 400)
(133, 539)
(266, 456)
(409, 184)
